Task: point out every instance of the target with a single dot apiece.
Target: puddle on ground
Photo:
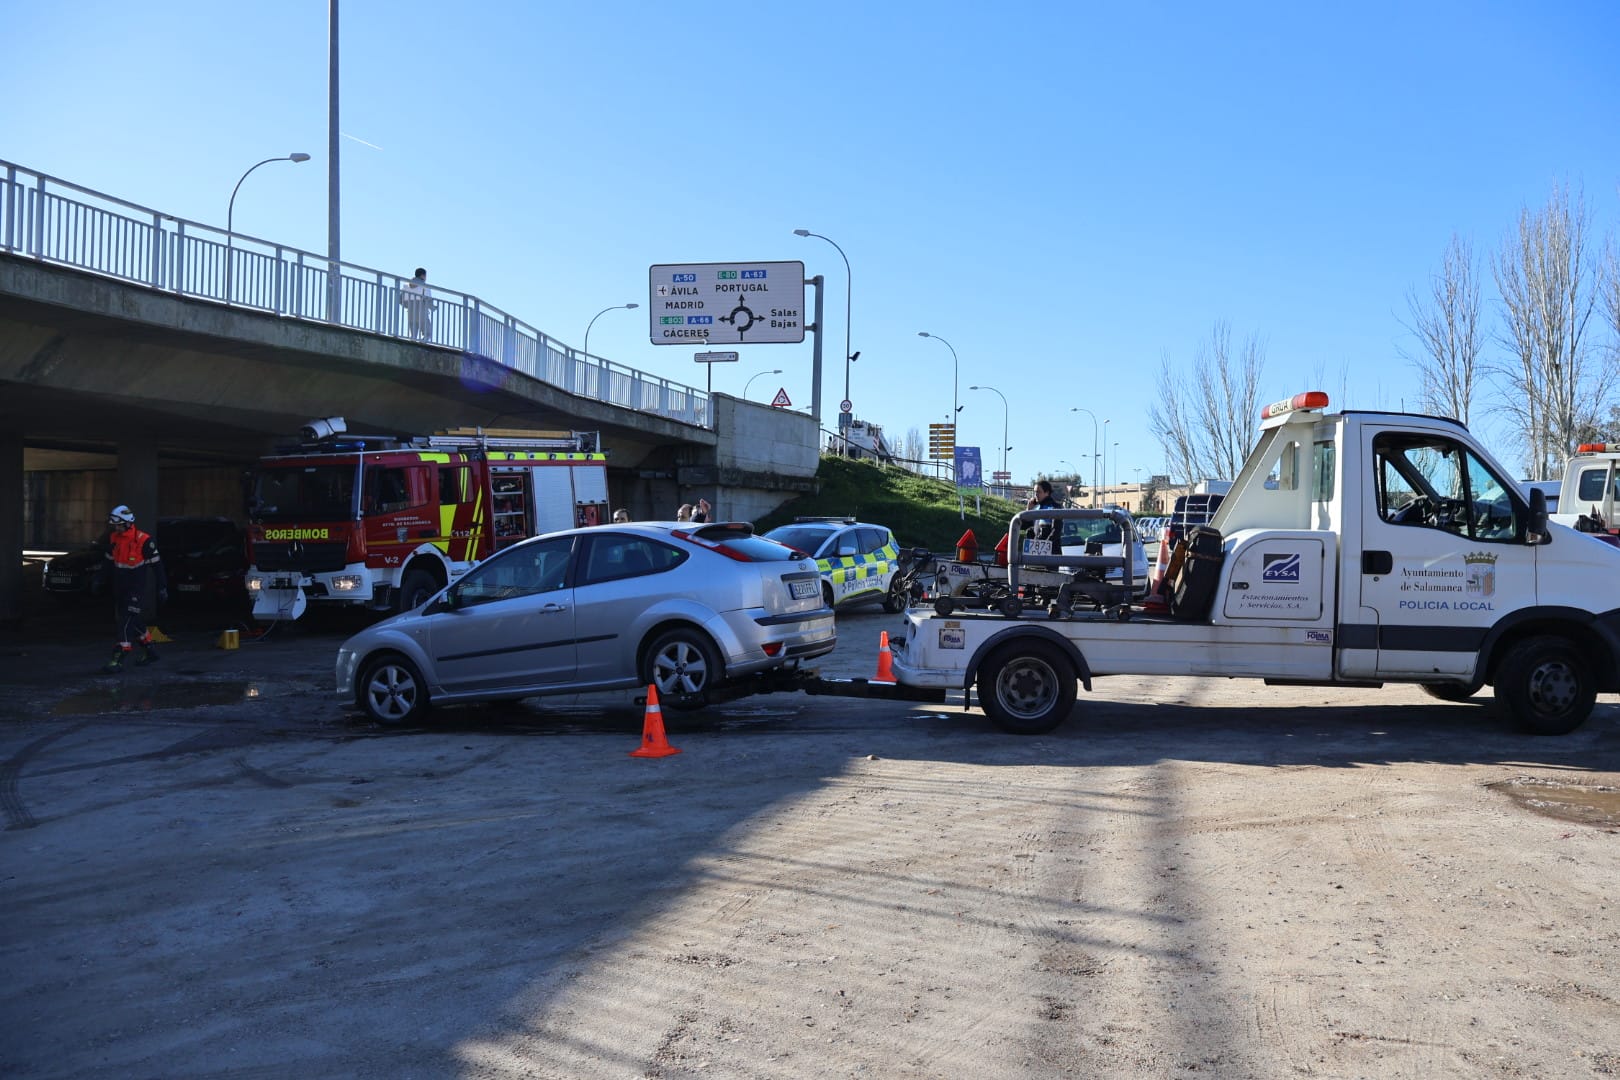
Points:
(1564, 802)
(113, 699)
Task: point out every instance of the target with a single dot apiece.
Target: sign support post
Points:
(815, 356)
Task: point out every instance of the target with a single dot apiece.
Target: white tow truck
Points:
(1589, 494)
(1354, 549)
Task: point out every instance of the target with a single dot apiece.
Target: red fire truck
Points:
(383, 522)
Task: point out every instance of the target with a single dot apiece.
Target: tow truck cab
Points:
(1590, 491)
(1356, 548)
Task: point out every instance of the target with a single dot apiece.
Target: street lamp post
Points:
(598, 315)
(1116, 464)
(1102, 472)
(1093, 416)
(751, 378)
(1004, 435)
(230, 220)
(955, 368)
(848, 315)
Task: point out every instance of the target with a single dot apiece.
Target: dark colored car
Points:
(203, 557)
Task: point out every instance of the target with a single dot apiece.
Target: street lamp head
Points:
(297, 157)
(973, 388)
(924, 333)
(801, 232)
(629, 306)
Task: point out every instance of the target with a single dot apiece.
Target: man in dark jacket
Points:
(132, 559)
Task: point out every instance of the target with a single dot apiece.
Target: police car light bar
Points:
(1598, 448)
(1311, 399)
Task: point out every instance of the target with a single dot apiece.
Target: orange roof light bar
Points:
(1311, 399)
(1598, 448)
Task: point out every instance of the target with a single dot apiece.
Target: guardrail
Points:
(46, 218)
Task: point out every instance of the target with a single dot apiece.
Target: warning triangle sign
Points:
(781, 399)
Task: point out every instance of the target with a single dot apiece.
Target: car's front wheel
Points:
(1546, 685)
(391, 690)
(683, 665)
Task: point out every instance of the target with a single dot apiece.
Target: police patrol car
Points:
(857, 560)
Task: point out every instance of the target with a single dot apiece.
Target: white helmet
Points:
(121, 515)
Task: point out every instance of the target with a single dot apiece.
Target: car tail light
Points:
(772, 648)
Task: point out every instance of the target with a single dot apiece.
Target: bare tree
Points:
(1446, 323)
(1205, 422)
(1549, 383)
(914, 445)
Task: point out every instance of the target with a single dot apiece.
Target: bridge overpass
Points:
(148, 360)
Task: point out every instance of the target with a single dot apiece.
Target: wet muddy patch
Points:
(149, 697)
(1584, 804)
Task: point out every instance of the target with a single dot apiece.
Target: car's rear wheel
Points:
(827, 595)
(895, 600)
(683, 665)
(1451, 691)
(391, 690)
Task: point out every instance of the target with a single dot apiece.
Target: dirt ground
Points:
(211, 869)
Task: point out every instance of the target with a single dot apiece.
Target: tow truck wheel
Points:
(1546, 685)
(392, 691)
(1451, 691)
(682, 664)
(1027, 688)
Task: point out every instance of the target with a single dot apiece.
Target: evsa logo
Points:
(1280, 568)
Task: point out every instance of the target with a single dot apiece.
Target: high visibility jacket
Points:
(131, 552)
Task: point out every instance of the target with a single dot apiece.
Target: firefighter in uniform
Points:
(132, 558)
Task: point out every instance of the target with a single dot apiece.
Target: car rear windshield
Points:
(739, 540)
(803, 538)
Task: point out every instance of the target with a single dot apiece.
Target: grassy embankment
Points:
(920, 511)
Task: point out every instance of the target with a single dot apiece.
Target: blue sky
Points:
(1064, 192)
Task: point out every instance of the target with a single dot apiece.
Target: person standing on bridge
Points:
(417, 300)
(132, 559)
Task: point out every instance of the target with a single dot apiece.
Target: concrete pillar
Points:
(137, 488)
(11, 531)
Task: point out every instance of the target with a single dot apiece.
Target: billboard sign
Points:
(967, 467)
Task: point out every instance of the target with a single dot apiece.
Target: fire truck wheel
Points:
(683, 665)
(392, 690)
(1027, 687)
(1546, 685)
(1451, 691)
(415, 589)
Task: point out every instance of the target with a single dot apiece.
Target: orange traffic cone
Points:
(653, 741)
(1001, 550)
(885, 672)
(967, 548)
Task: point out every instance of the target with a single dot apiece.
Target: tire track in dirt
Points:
(11, 801)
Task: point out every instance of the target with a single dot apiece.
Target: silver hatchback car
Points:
(684, 607)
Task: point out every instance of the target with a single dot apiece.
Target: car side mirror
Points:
(449, 600)
(1535, 528)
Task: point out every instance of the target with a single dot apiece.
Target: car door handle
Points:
(551, 609)
(1377, 562)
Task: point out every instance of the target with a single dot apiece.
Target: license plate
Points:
(804, 590)
(1037, 547)
(189, 588)
(283, 583)
(61, 579)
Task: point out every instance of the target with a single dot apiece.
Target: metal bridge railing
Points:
(49, 219)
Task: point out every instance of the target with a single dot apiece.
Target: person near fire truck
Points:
(132, 562)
